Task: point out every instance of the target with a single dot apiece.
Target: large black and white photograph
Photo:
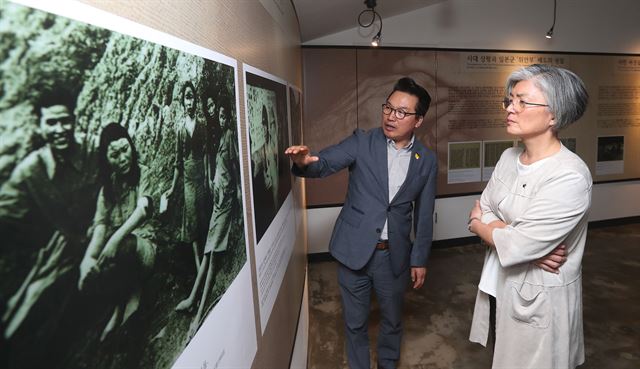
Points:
(273, 204)
(295, 115)
(266, 100)
(121, 203)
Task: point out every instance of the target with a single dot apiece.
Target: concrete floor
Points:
(437, 317)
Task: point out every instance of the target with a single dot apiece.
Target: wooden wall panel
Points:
(330, 113)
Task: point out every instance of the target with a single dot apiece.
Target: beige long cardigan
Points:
(539, 314)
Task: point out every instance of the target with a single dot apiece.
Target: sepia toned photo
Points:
(610, 148)
(464, 162)
(491, 153)
(493, 150)
(464, 155)
(610, 159)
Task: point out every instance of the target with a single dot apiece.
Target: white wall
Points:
(299, 357)
(319, 227)
(609, 201)
(601, 26)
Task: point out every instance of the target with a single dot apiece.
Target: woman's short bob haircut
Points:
(110, 133)
(564, 91)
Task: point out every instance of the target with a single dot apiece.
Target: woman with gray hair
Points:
(537, 200)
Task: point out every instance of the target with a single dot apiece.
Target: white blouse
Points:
(489, 277)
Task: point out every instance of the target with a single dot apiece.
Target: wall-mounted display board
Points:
(468, 89)
(470, 93)
(113, 197)
(613, 117)
(274, 223)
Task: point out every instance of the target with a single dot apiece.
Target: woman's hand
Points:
(553, 260)
(108, 254)
(474, 215)
(476, 211)
(482, 230)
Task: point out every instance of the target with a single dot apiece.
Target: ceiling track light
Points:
(375, 41)
(550, 31)
(371, 5)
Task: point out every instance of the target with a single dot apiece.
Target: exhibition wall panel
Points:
(163, 274)
(465, 123)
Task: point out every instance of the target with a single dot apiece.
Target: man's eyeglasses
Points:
(519, 105)
(400, 114)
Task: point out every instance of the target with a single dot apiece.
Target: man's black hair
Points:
(410, 86)
(50, 98)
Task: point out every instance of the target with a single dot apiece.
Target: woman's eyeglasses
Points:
(519, 105)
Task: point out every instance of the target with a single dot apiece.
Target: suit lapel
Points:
(380, 153)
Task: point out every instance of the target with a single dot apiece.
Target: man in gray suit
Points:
(392, 180)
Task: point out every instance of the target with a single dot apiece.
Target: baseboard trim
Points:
(614, 222)
(453, 242)
(320, 257)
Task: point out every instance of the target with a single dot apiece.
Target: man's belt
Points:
(382, 245)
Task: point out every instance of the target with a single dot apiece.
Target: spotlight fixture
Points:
(375, 42)
(550, 31)
(371, 5)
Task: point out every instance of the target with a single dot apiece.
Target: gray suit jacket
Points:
(367, 206)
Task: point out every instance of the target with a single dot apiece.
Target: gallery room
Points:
(319, 184)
